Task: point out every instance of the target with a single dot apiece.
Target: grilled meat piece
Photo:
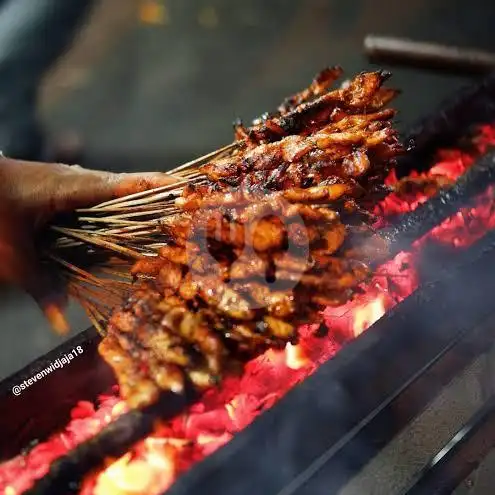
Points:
(275, 231)
(323, 193)
(135, 386)
(362, 94)
(316, 138)
(321, 83)
(364, 132)
(215, 301)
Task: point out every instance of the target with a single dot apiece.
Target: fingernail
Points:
(57, 319)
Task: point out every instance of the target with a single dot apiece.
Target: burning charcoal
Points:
(321, 331)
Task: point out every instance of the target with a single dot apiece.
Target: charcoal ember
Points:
(411, 187)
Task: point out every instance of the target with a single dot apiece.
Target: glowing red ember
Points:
(18, 474)
(222, 413)
(154, 463)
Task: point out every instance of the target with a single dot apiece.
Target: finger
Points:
(135, 182)
(43, 189)
(86, 188)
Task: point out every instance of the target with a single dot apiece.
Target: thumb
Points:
(131, 183)
(84, 188)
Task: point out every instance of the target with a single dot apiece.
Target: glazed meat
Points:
(363, 94)
(234, 281)
(270, 235)
(317, 138)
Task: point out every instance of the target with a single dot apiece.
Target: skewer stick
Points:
(131, 214)
(95, 322)
(120, 285)
(99, 297)
(208, 156)
(101, 290)
(91, 312)
(86, 298)
(79, 271)
(116, 273)
(97, 241)
(142, 194)
(139, 235)
(129, 229)
(116, 221)
(130, 209)
(157, 195)
(401, 51)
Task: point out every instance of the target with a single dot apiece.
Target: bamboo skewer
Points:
(141, 194)
(99, 242)
(127, 215)
(118, 210)
(209, 156)
(158, 194)
(111, 271)
(117, 221)
(126, 227)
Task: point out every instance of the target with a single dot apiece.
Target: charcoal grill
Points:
(334, 432)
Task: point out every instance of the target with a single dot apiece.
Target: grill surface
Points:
(310, 439)
(373, 388)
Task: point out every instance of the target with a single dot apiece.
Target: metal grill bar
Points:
(462, 454)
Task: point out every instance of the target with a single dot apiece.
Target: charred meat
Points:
(275, 231)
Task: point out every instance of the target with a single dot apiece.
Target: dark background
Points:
(150, 84)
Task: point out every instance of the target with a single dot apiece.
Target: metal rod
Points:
(460, 456)
(402, 51)
(113, 441)
(412, 226)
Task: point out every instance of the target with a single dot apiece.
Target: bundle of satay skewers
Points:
(187, 282)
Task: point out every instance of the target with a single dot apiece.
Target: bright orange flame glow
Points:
(153, 464)
(152, 473)
(295, 357)
(365, 316)
(17, 474)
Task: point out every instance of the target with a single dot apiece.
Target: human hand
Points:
(31, 194)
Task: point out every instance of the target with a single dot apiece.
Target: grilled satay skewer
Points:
(256, 246)
(199, 313)
(316, 135)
